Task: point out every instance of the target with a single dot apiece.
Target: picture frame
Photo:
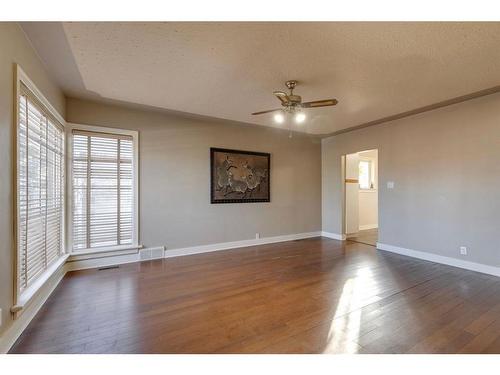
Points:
(238, 176)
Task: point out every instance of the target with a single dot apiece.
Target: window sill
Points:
(104, 252)
(27, 295)
(367, 190)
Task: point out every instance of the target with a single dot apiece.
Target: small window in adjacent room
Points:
(104, 193)
(365, 175)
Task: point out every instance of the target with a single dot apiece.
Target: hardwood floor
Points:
(366, 236)
(309, 296)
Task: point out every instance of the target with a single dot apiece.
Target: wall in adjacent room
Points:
(174, 153)
(445, 167)
(368, 210)
(15, 48)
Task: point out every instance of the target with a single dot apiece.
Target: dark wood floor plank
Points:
(309, 296)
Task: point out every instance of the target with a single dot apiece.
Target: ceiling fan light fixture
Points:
(279, 118)
(293, 106)
(300, 117)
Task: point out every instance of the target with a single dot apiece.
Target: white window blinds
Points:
(102, 190)
(40, 185)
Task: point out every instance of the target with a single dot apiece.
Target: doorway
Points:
(360, 183)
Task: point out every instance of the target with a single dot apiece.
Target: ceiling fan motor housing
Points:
(294, 99)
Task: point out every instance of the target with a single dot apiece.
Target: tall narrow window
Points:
(40, 183)
(103, 190)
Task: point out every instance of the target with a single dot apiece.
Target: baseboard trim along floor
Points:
(471, 266)
(334, 236)
(237, 244)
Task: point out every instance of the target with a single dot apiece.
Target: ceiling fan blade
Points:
(268, 111)
(320, 103)
(282, 96)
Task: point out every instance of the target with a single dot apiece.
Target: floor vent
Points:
(152, 253)
(107, 268)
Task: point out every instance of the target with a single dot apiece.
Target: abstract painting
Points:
(239, 176)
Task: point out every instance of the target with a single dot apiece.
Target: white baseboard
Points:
(12, 333)
(77, 262)
(135, 256)
(237, 244)
(334, 236)
(472, 266)
(368, 226)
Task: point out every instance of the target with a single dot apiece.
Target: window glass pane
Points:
(364, 174)
(102, 190)
(79, 208)
(40, 178)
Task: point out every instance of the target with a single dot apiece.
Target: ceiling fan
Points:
(293, 104)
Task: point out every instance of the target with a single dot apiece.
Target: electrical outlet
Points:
(390, 184)
(463, 250)
(257, 236)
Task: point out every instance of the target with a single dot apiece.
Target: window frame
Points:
(23, 298)
(69, 192)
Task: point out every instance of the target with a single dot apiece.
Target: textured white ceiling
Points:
(228, 70)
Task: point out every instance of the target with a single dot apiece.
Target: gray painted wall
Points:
(175, 207)
(15, 48)
(446, 169)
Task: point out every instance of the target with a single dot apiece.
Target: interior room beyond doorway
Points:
(361, 197)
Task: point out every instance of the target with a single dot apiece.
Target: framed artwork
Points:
(239, 176)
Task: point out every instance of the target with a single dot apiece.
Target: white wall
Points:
(368, 209)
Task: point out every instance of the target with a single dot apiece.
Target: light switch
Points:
(390, 184)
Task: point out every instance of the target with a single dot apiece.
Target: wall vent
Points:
(152, 253)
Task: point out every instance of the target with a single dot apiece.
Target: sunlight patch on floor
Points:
(345, 326)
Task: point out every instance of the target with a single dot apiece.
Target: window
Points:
(365, 174)
(40, 189)
(103, 190)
